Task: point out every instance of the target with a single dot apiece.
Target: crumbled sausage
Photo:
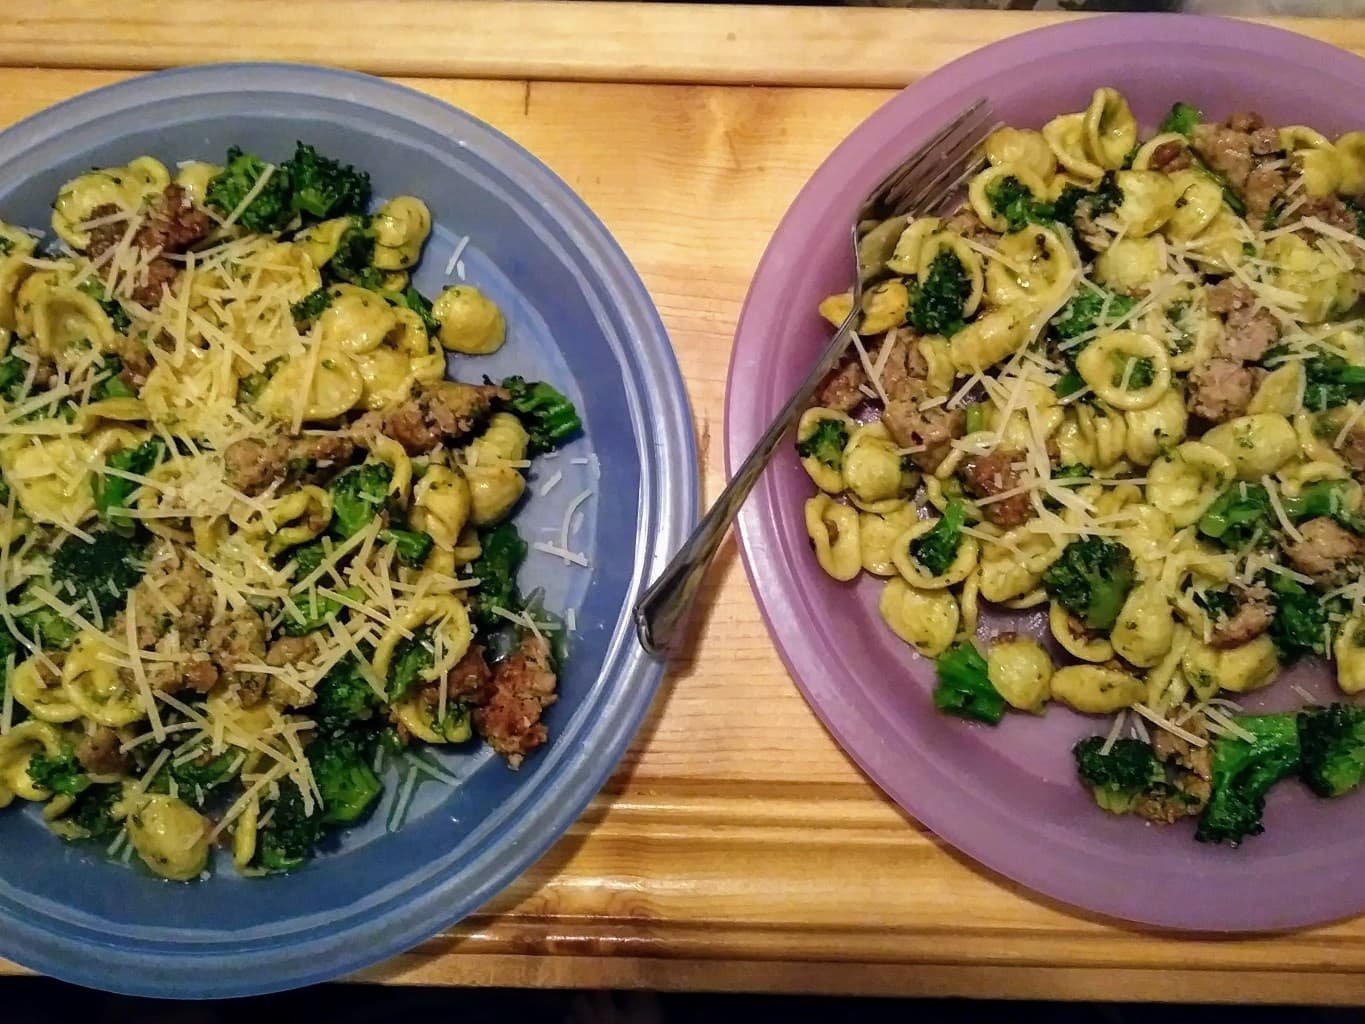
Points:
(1220, 389)
(521, 688)
(1331, 211)
(1241, 150)
(992, 474)
(99, 752)
(201, 676)
(1248, 330)
(236, 639)
(436, 413)
(170, 225)
(929, 431)
(1264, 185)
(842, 390)
(253, 465)
(1327, 551)
(1251, 618)
(1226, 150)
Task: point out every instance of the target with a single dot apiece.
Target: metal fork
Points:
(925, 182)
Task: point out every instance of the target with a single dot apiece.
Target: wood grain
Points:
(628, 42)
(736, 847)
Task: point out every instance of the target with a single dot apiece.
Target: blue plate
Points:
(578, 316)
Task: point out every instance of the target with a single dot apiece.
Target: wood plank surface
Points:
(736, 847)
(538, 39)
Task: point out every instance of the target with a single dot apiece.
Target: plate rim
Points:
(1088, 892)
(669, 504)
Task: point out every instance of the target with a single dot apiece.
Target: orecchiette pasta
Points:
(925, 619)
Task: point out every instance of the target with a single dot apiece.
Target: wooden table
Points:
(736, 847)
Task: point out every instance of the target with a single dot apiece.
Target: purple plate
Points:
(1008, 796)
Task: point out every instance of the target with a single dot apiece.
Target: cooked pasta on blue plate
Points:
(253, 541)
(1121, 386)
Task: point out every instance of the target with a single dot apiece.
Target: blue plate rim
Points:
(665, 438)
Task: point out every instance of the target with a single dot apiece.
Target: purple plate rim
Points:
(952, 808)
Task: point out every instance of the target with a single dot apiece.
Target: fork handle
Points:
(664, 605)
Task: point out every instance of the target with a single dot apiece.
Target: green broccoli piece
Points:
(1084, 312)
(1010, 198)
(501, 556)
(1331, 381)
(307, 557)
(1324, 498)
(92, 815)
(1091, 580)
(1332, 748)
(1243, 773)
(194, 780)
(1141, 375)
(49, 628)
(13, 372)
(825, 444)
(341, 768)
(936, 549)
(269, 210)
(1062, 475)
(311, 306)
(344, 698)
(1357, 211)
(1238, 515)
(303, 615)
(114, 493)
(110, 384)
(1068, 384)
(287, 840)
(411, 659)
(975, 417)
(937, 305)
(59, 774)
(1181, 119)
(113, 309)
(549, 418)
(1120, 778)
(419, 304)
(104, 569)
(353, 261)
(412, 545)
(964, 689)
(1106, 197)
(323, 188)
(1301, 618)
(358, 495)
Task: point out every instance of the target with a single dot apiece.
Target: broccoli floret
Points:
(975, 419)
(104, 569)
(59, 774)
(322, 188)
(1331, 381)
(1083, 313)
(825, 444)
(311, 306)
(419, 304)
(1238, 515)
(92, 815)
(1301, 618)
(1062, 476)
(412, 545)
(304, 615)
(194, 780)
(1357, 211)
(1332, 748)
(341, 768)
(1324, 498)
(344, 698)
(288, 838)
(1106, 197)
(110, 384)
(358, 495)
(1141, 374)
(13, 372)
(354, 258)
(48, 627)
(549, 418)
(411, 659)
(1243, 773)
(501, 556)
(938, 303)
(1010, 198)
(1181, 119)
(307, 557)
(113, 493)
(964, 689)
(1121, 777)
(1068, 384)
(269, 210)
(936, 549)
(113, 309)
(1091, 580)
